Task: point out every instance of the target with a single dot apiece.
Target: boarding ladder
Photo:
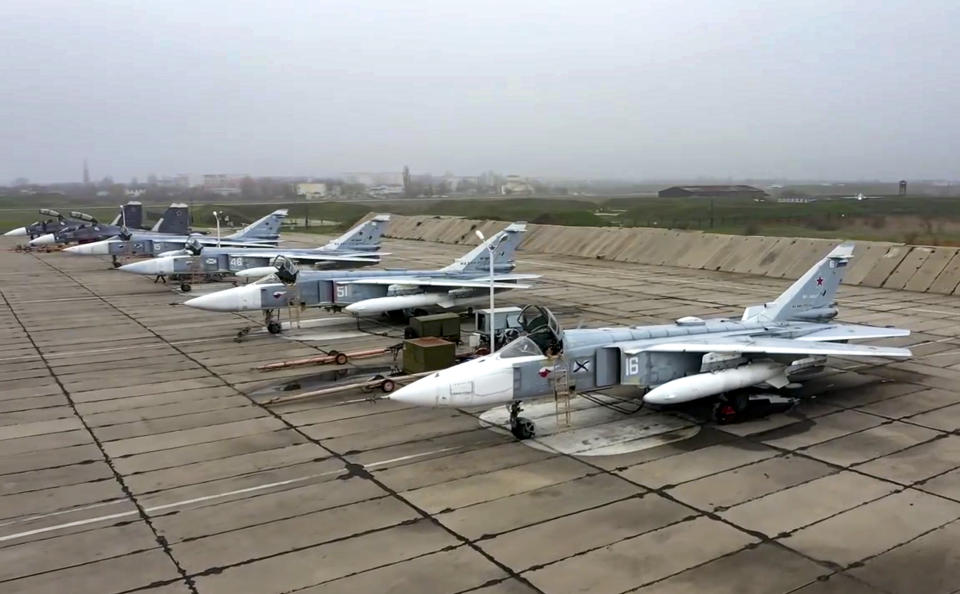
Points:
(294, 307)
(561, 394)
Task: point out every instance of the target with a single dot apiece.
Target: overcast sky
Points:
(848, 89)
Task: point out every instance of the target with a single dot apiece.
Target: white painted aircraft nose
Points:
(259, 272)
(422, 392)
(16, 232)
(96, 248)
(227, 300)
(146, 267)
(43, 240)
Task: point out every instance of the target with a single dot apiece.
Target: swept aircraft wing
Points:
(372, 257)
(505, 277)
(853, 332)
(768, 346)
(433, 282)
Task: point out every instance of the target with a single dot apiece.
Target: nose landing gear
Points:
(521, 427)
(273, 326)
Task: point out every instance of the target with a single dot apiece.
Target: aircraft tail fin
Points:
(131, 215)
(175, 220)
(263, 230)
(362, 238)
(506, 242)
(812, 297)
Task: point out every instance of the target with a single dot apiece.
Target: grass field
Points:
(911, 219)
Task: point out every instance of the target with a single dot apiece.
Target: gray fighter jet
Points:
(465, 281)
(356, 248)
(263, 232)
(772, 344)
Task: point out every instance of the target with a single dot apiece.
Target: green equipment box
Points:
(427, 354)
(444, 325)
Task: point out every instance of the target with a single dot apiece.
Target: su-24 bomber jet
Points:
(89, 229)
(772, 345)
(356, 248)
(364, 293)
(54, 222)
(263, 232)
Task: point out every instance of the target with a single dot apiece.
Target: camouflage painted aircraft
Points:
(264, 232)
(130, 219)
(54, 222)
(356, 248)
(465, 281)
(771, 345)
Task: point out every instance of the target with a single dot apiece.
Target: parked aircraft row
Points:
(772, 345)
(322, 281)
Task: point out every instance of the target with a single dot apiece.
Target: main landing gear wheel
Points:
(387, 386)
(185, 287)
(274, 328)
(730, 408)
(521, 427)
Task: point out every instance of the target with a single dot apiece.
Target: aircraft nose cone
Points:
(16, 232)
(422, 392)
(228, 300)
(97, 248)
(258, 272)
(43, 240)
(146, 267)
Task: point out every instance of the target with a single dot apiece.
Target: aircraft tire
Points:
(185, 287)
(725, 413)
(523, 428)
(387, 386)
(274, 328)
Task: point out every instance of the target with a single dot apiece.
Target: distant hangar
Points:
(737, 191)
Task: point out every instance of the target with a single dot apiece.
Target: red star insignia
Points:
(819, 281)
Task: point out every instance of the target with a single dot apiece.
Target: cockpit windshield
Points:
(521, 347)
(542, 328)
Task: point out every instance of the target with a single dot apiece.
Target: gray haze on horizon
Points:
(818, 89)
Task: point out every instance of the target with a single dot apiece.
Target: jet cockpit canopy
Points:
(287, 271)
(542, 327)
(193, 246)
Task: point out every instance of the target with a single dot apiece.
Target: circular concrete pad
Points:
(600, 425)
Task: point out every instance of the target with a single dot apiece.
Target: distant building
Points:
(134, 193)
(387, 178)
(223, 184)
(385, 190)
(737, 191)
(796, 199)
(515, 185)
(312, 191)
(180, 181)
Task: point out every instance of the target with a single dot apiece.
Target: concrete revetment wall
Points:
(876, 264)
